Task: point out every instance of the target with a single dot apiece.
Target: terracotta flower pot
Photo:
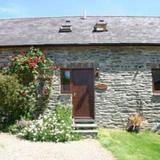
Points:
(101, 86)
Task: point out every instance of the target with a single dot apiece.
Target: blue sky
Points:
(39, 8)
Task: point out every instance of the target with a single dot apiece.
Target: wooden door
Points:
(83, 93)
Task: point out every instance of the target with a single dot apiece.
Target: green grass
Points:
(131, 146)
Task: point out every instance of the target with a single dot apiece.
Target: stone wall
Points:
(127, 72)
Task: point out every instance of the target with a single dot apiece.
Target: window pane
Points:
(156, 78)
(157, 85)
(65, 79)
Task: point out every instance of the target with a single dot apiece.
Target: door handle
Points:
(74, 94)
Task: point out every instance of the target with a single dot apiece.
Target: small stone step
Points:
(86, 133)
(84, 120)
(84, 125)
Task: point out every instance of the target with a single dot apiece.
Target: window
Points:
(67, 27)
(156, 80)
(65, 81)
(100, 26)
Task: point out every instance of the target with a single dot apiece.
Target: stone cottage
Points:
(109, 66)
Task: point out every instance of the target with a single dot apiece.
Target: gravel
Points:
(12, 148)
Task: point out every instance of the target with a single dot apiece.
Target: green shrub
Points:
(34, 71)
(51, 126)
(13, 104)
(19, 125)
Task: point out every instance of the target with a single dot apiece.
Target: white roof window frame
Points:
(100, 26)
(66, 27)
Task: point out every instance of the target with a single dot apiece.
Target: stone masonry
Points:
(127, 72)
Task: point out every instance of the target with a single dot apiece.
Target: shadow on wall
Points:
(155, 99)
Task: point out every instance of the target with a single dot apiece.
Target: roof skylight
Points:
(67, 27)
(101, 26)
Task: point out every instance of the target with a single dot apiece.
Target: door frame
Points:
(71, 84)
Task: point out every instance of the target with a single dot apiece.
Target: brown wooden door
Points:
(83, 93)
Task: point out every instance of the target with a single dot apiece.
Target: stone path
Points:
(12, 148)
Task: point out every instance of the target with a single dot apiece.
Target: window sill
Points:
(156, 93)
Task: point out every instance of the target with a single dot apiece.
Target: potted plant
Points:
(101, 86)
(134, 123)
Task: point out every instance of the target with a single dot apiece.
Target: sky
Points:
(49, 8)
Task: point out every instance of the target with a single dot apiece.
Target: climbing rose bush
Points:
(31, 65)
(34, 72)
(53, 125)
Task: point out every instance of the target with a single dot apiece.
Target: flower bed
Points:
(51, 126)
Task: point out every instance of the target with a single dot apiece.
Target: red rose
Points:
(45, 91)
(23, 93)
(32, 65)
(22, 53)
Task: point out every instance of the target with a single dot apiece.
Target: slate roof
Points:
(45, 31)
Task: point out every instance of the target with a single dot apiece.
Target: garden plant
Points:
(27, 83)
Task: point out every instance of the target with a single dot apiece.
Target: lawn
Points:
(131, 146)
